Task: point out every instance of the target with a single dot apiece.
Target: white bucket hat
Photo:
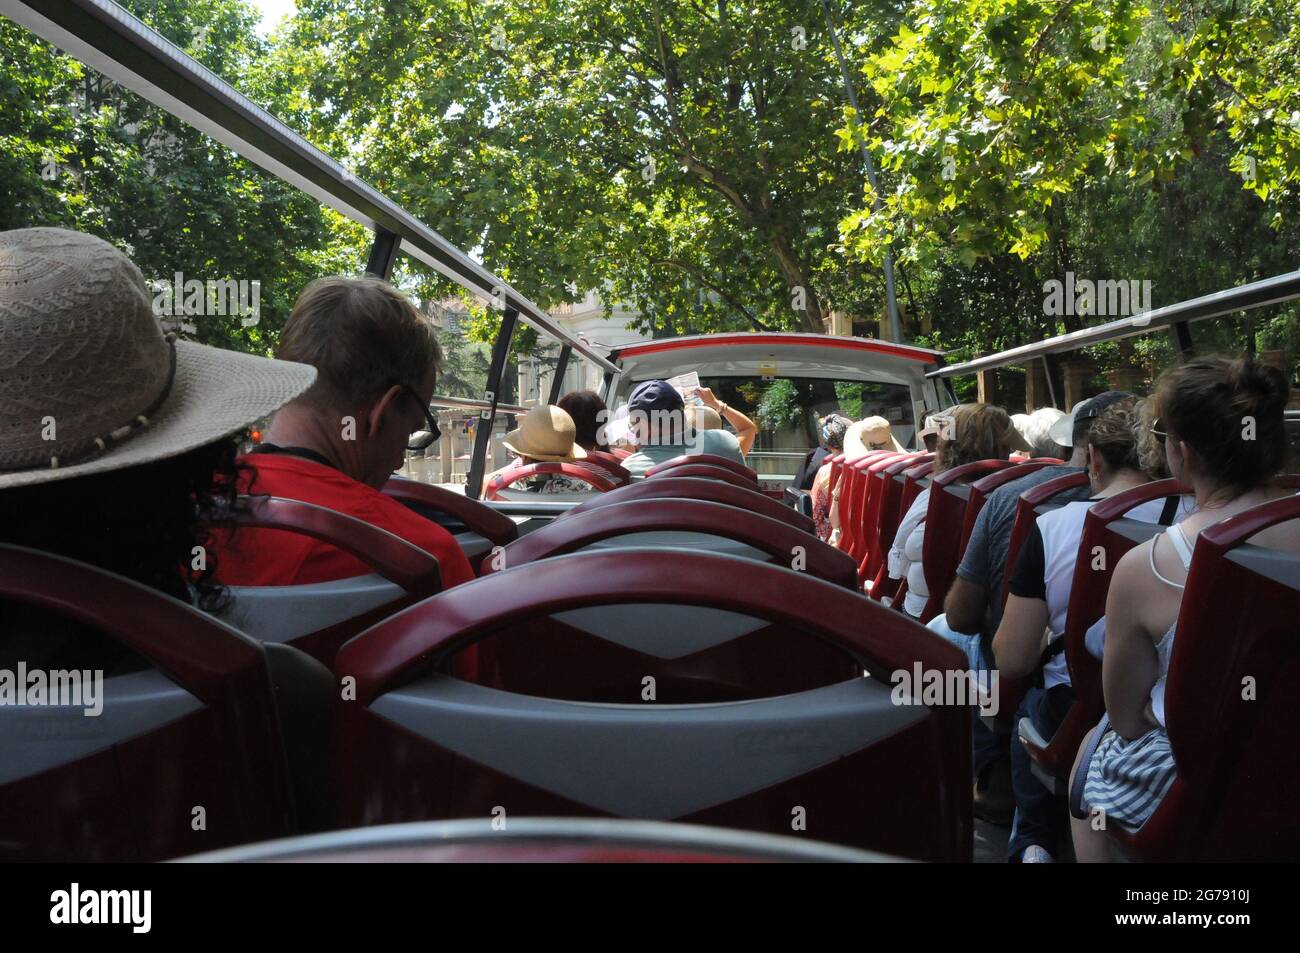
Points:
(874, 433)
(89, 381)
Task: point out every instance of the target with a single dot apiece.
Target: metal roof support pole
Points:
(1181, 334)
(383, 252)
(557, 382)
(607, 387)
(1051, 386)
(483, 431)
(891, 296)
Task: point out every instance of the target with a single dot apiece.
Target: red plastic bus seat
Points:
(697, 488)
(873, 510)
(851, 483)
(689, 524)
(891, 514)
(1230, 702)
(1032, 503)
(861, 505)
(319, 617)
(607, 464)
(981, 488)
(707, 472)
(1109, 527)
(476, 526)
(941, 553)
(419, 744)
(709, 459)
(500, 486)
(200, 728)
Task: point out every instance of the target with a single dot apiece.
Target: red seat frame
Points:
(941, 551)
(891, 511)
(606, 463)
(390, 556)
(709, 459)
(708, 472)
(782, 542)
(599, 480)
(861, 505)
(133, 800)
(391, 773)
(1088, 590)
(697, 488)
(495, 527)
(869, 537)
(1238, 780)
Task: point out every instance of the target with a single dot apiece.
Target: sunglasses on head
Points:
(431, 435)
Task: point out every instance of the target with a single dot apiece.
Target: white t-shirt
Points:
(905, 555)
(1062, 530)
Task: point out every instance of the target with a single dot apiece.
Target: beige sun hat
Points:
(874, 433)
(546, 433)
(89, 381)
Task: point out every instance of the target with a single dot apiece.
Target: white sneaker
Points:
(1033, 854)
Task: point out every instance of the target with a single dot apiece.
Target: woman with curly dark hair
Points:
(117, 441)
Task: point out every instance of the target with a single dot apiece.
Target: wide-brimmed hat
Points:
(545, 433)
(874, 433)
(90, 382)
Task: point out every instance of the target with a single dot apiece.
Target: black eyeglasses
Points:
(430, 436)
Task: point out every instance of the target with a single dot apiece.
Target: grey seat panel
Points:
(959, 490)
(682, 540)
(39, 738)
(473, 545)
(282, 613)
(649, 761)
(1273, 564)
(1139, 531)
(664, 631)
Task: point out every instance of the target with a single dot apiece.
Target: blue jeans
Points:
(1040, 814)
(986, 746)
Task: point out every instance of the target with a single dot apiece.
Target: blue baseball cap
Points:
(654, 395)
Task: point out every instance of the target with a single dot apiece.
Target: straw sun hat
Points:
(89, 382)
(874, 433)
(545, 433)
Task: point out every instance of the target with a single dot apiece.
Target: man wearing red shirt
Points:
(337, 444)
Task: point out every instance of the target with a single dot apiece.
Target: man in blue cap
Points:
(658, 422)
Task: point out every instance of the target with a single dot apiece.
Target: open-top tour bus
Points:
(676, 649)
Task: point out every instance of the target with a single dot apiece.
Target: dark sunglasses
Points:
(433, 434)
(1156, 431)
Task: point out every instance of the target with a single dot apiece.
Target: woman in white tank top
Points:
(1222, 425)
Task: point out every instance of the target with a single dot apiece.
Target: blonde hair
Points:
(971, 432)
(1150, 448)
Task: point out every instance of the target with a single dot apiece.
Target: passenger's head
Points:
(117, 441)
(971, 432)
(377, 359)
(546, 434)
(1072, 431)
(1112, 444)
(873, 433)
(1222, 421)
(588, 412)
(656, 414)
(1036, 429)
(831, 430)
(699, 417)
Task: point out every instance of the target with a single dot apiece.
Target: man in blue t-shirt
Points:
(657, 417)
